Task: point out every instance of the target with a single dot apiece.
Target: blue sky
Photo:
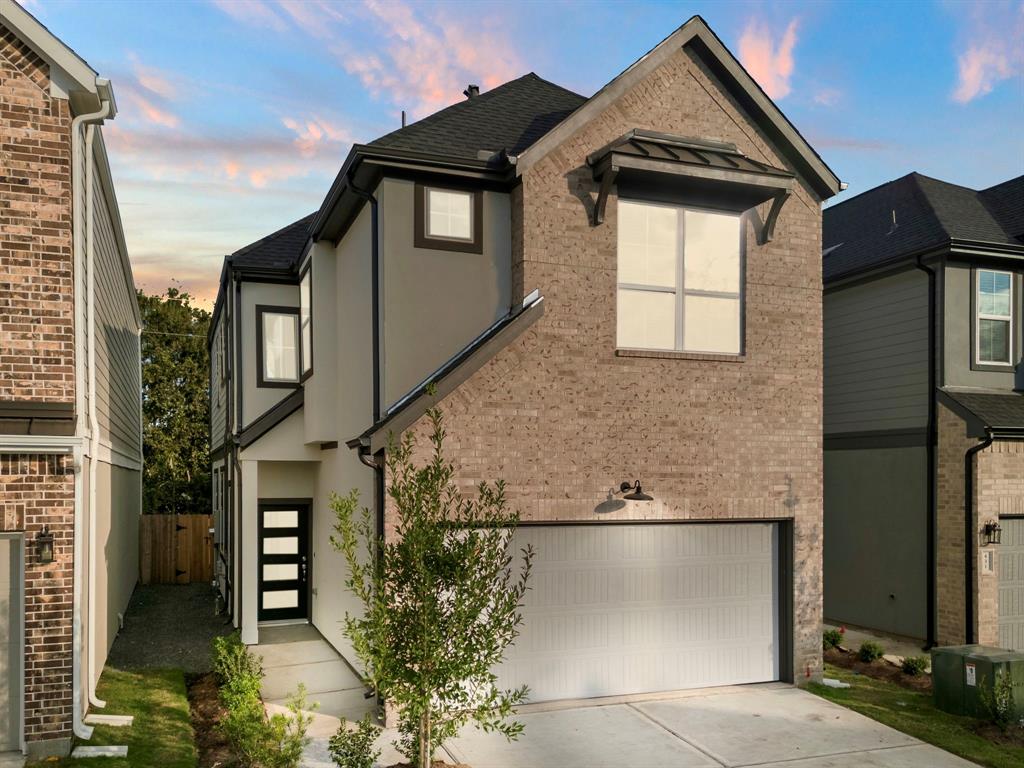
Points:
(235, 115)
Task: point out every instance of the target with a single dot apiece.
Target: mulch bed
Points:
(1011, 737)
(204, 703)
(880, 670)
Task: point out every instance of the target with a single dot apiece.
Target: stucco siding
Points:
(876, 355)
(258, 400)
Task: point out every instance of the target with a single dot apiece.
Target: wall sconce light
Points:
(44, 546)
(636, 494)
(992, 532)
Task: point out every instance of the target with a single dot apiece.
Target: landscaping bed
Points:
(880, 669)
(206, 712)
(913, 712)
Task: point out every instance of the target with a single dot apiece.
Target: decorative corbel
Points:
(768, 228)
(607, 179)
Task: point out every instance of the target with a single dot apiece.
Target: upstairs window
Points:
(448, 219)
(680, 279)
(277, 346)
(306, 321)
(994, 324)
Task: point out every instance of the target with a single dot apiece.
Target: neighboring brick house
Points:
(70, 432)
(923, 409)
(603, 290)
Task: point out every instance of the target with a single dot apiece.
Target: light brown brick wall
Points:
(36, 269)
(38, 491)
(949, 534)
(563, 419)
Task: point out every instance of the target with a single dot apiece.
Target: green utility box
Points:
(960, 672)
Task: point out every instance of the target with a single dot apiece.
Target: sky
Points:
(235, 115)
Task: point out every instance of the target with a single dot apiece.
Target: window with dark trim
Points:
(448, 218)
(277, 346)
(306, 321)
(994, 321)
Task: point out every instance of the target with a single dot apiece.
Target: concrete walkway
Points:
(770, 726)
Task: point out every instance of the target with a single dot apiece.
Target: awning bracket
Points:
(768, 228)
(607, 179)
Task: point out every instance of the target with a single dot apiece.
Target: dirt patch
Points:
(435, 764)
(1011, 737)
(880, 670)
(206, 711)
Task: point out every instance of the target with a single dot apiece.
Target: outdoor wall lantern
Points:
(636, 494)
(44, 546)
(993, 533)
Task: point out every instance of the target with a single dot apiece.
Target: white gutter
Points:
(94, 424)
(81, 730)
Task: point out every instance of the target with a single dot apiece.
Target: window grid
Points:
(680, 289)
(981, 315)
(444, 208)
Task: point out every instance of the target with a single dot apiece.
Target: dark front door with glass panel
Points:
(284, 561)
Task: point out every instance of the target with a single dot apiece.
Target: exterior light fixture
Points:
(993, 533)
(636, 494)
(44, 546)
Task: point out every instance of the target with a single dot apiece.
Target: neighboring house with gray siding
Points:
(923, 341)
(615, 289)
(70, 387)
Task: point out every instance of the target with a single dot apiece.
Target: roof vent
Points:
(471, 91)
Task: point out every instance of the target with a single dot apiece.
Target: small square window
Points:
(448, 219)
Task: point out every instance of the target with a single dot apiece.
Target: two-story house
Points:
(70, 429)
(924, 415)
(618, 301)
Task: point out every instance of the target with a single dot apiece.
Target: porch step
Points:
(302, 652)
(100, 752)
(334, 705)
(318, 677)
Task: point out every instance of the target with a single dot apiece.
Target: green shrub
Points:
(870, 651)
(914, 665)
(231, 660)
(354, 748)
(997, 700)
(831, 638)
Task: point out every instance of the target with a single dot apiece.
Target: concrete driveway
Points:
(770, 726)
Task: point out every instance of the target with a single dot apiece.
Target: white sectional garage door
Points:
(620, 609)
(1011, 584)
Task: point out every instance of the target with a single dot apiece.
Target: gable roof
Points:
(509, 117)
(279, 251)
(858, 234)
(697, 34)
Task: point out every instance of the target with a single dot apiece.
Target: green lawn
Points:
(161, 736)
(914, 714)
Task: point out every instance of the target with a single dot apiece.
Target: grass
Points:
(160, 737)
(914, 714)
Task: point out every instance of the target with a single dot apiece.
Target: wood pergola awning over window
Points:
(676, 168)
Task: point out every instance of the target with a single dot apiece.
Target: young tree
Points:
(442, 601)
(175, 404)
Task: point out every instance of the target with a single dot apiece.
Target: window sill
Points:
(668, 354)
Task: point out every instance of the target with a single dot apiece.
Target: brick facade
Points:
(38, 491)
(998, 490)
(562, 418)
(37, 336)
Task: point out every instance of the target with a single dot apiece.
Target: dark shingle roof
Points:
(858, 234)
(279, 250)
(996, 410)
(510, 117)
(1006, 201)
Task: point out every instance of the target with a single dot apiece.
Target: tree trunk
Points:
(425, 753)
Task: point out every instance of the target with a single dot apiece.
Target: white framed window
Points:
(277, 346)
(680, 279)
(306, 320)
(994, 320)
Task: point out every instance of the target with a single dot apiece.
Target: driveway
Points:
(770, 726)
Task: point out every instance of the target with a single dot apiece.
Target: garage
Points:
(634, 608)
(1011, 584)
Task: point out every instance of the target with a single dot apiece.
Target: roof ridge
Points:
(550, 82)
(872, 190)
(275, 234)
(927, 203)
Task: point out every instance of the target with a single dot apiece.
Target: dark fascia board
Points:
(697, 34)
(451, 375)
(365, 164)
(966, 250)
(271, 418)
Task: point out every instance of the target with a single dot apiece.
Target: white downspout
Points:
(81, 730)
(94, 424)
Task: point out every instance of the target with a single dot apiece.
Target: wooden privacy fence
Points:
(175, 549)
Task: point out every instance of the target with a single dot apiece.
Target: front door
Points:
(284, 561)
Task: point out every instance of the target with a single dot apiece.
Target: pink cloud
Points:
(827, 97)
(142, 106)
(257, 13)
(313, 133)
(992, 52)
(769, 64)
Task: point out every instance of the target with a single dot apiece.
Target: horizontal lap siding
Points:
(876, 355)
(218, 393)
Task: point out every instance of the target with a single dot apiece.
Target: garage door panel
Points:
(1011, 584)
(632, 608)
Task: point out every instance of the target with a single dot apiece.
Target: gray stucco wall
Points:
(958, 331)
(876, 355)
(875, 557)
(436, 302)
(258, 400)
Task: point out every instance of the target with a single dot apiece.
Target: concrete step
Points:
(100, 752)
(304, 652)
(350, 704)
(318, 677)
